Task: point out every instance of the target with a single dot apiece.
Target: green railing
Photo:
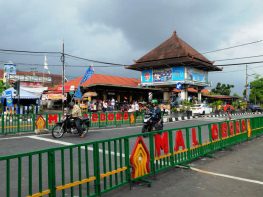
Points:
(93, 168)
(11, 124)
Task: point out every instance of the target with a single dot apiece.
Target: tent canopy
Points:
(24, 94)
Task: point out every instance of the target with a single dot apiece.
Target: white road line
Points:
(68, 144)
(227, 176)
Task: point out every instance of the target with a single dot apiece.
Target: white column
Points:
(199, 96)
(166, 96)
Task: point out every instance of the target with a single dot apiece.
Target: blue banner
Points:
(9, 99)
(178, 73)
(147, 76)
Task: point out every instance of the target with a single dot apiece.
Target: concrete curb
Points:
(172, 119)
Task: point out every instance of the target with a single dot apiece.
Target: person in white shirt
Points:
(113, 103)
(104, 106)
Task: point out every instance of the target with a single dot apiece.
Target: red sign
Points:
(52, 118)
(214, 132)
(179, 141)
(94, 117)
(161, 143)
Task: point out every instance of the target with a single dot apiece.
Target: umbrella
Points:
(90, 94)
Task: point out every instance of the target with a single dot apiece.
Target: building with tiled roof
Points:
(107, 86)
(174, 64)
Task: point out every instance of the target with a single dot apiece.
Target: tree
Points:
(256, 90)
(222, 89)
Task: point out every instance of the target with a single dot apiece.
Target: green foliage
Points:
(222, 89)
(256, 90)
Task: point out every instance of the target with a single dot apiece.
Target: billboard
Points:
(174, 75)
(196, 75)
(162, 75)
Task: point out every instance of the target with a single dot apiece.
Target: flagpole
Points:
(63, 76)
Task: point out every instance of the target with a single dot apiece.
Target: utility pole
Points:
(246, 84)
(63, 76)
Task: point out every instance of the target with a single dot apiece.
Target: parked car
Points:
(255, 108)
(201, 109)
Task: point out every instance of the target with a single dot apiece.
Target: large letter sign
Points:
(224, 128)
(194, 138)
(231, 128)
(179, 141)
(214, 132)
(161, 143)
(52, 118)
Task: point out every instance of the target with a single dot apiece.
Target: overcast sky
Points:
(122, 31)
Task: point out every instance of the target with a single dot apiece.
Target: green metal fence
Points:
(16, 123)
(91, 169)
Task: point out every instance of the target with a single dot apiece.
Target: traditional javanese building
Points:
(174, 65)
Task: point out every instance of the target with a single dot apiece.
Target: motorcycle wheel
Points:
(85, 129)
(57, 131)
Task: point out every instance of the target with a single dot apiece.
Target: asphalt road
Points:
(20, 144)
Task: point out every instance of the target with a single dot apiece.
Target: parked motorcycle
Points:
(149, 123)
(68, 125)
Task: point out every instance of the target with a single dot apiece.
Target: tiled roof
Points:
(99, 79)
(174, 47)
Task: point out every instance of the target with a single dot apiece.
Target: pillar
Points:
(184, 94)
(166, 96)
(199, 95)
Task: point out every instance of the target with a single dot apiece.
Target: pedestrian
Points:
(104, 105)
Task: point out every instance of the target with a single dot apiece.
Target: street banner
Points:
(9, 99)
(10, 69)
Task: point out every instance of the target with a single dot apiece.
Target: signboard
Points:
(10, 69)
(147, 76)
(9, 99)
(178, 73)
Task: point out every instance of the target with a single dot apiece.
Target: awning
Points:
(54, 96)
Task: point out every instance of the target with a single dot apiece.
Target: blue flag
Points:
(89, 72)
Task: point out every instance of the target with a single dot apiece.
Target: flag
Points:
(78, 93)
(45, 63)
(89, 72)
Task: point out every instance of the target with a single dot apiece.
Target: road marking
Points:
(68, 144)
(227, 176)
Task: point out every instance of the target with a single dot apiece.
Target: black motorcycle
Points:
(68, 125)
(149, 122)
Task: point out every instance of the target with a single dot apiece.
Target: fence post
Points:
(151, 140)
(127, 159)
(34, 121)
(171, 147)
(96, 165)
(18, 123)
(3, 123)
(188, 144)
(51, 173)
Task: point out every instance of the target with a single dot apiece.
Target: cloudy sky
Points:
(122, 31)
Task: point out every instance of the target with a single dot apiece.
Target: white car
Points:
(201, 109)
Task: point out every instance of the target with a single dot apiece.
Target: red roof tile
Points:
(99, 79)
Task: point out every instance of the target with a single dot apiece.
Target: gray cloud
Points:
(120, 31)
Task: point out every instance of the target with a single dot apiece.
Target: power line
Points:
(238, 58)
(95, 61)
(223, 72)
(32, 52)
(231, 47)
(241, 63)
